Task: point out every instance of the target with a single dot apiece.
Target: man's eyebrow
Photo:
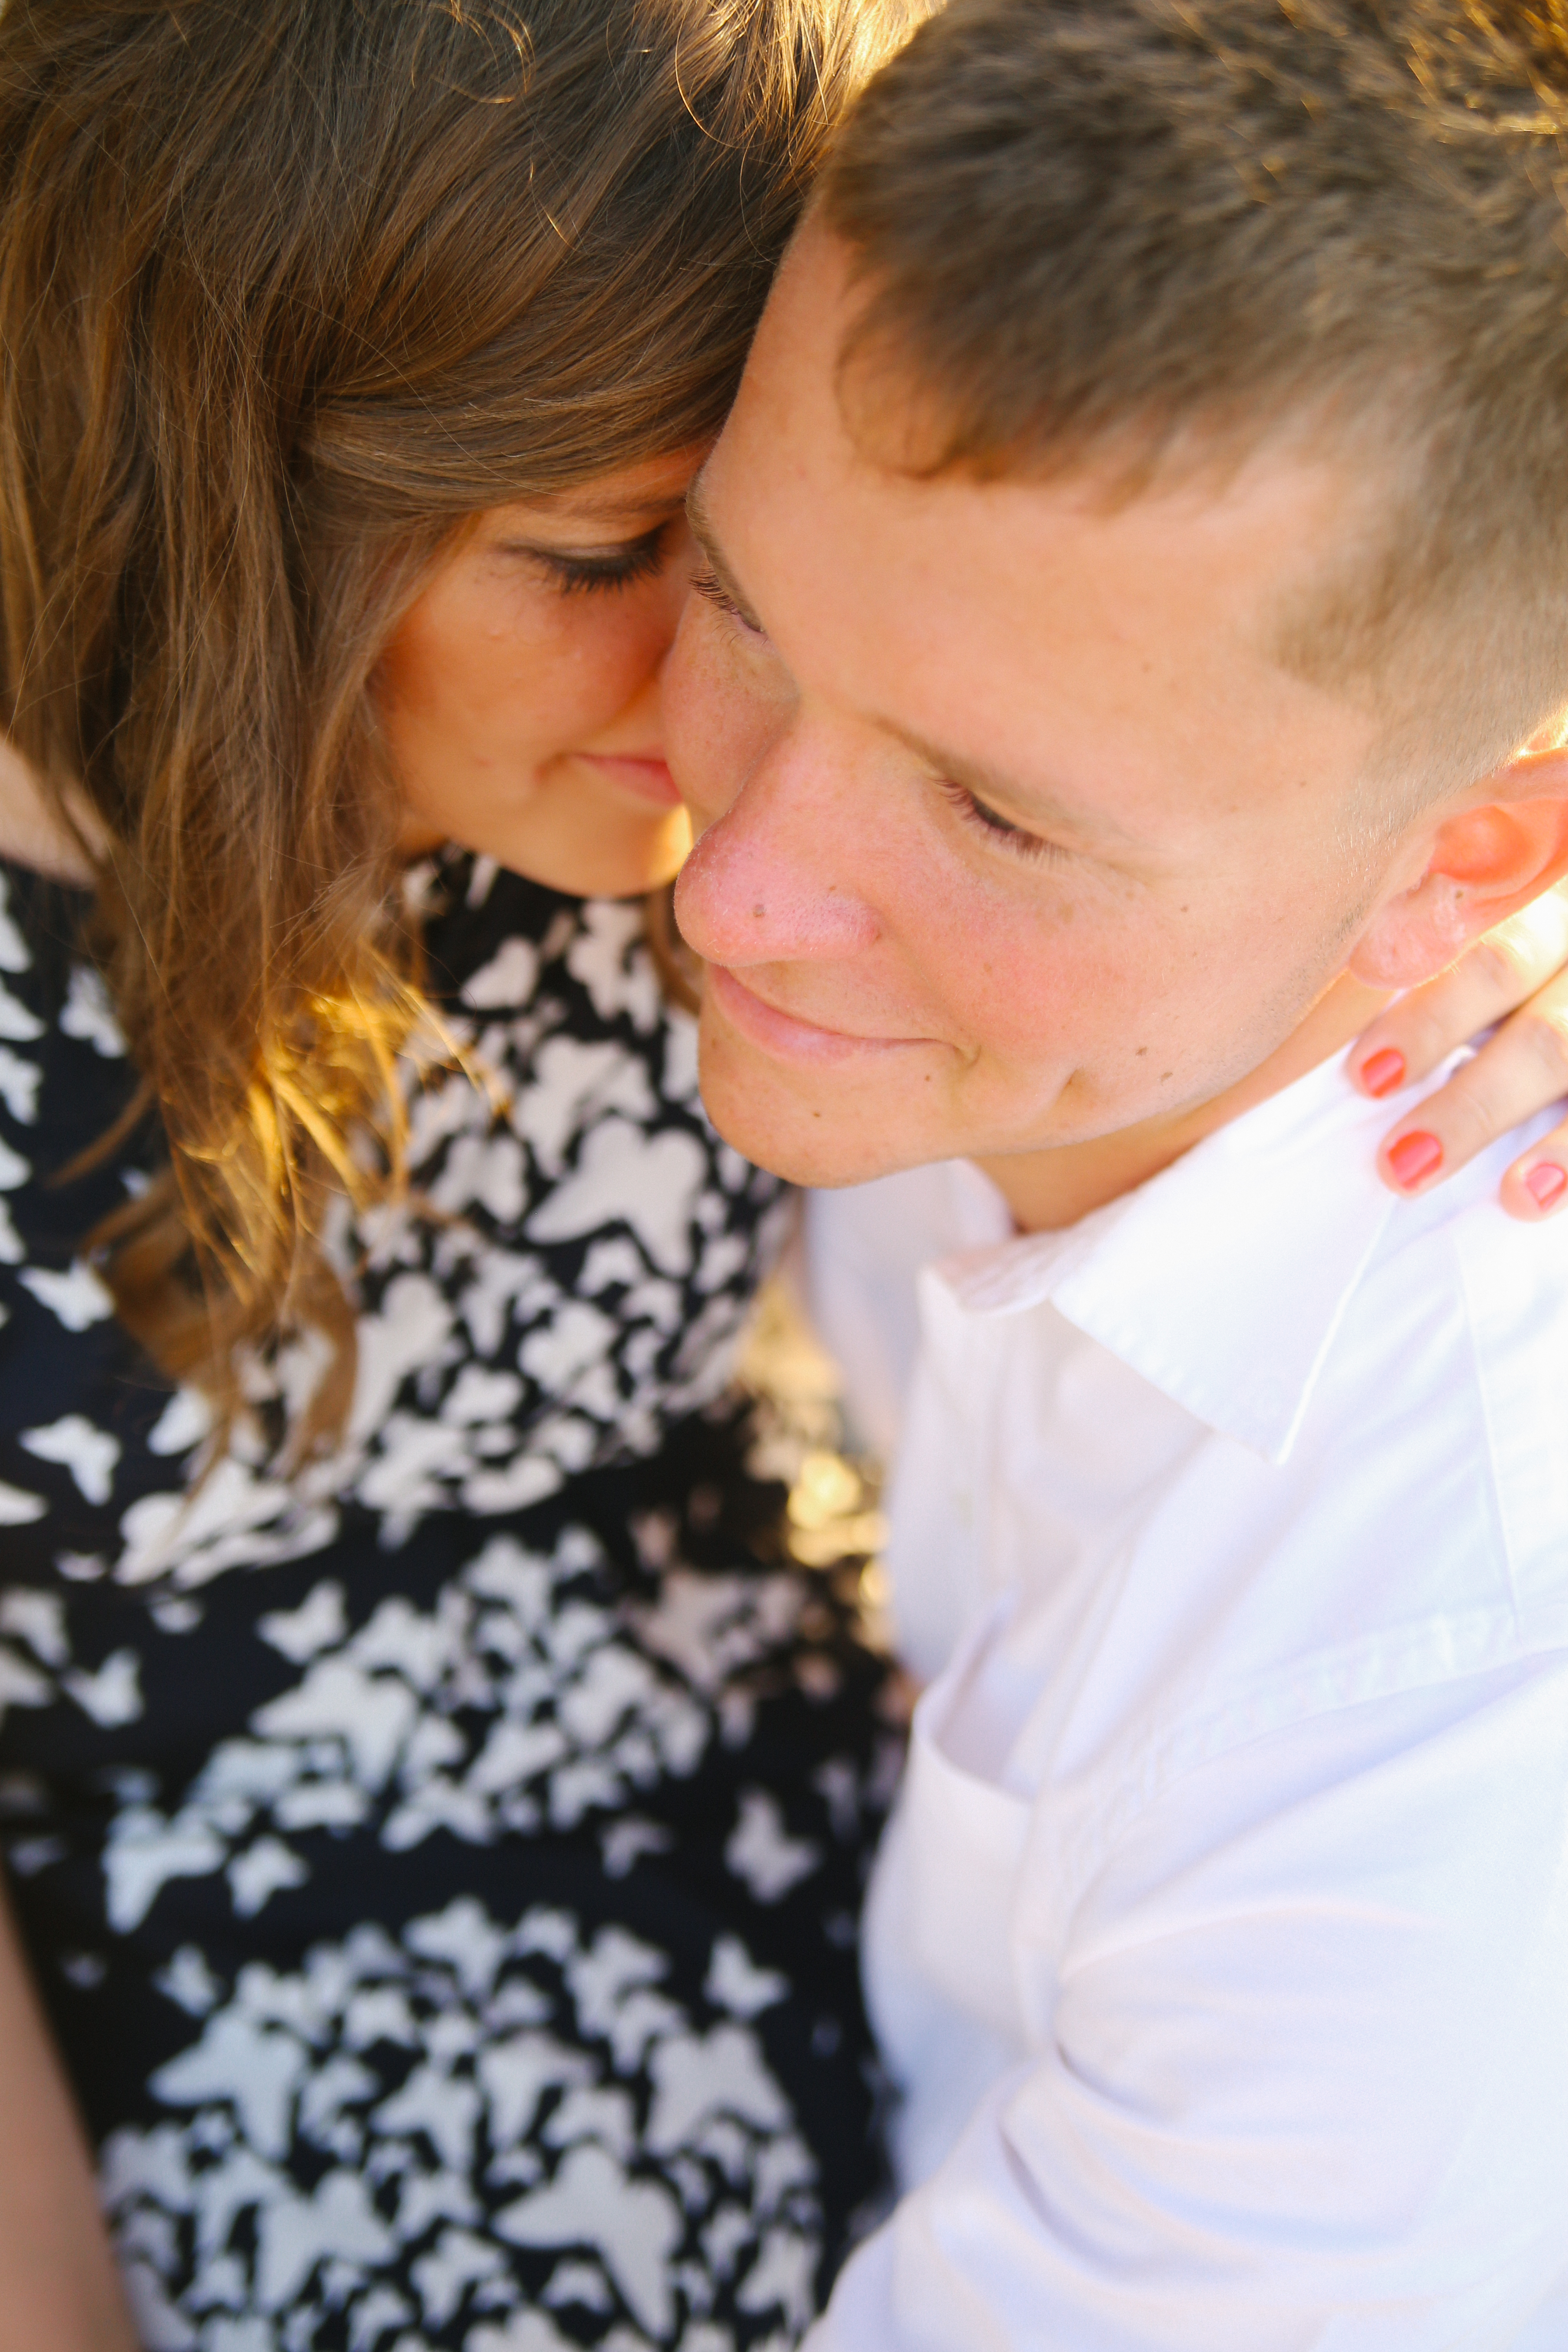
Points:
(707, 538)
(1029, 803)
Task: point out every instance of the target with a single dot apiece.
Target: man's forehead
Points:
(1323, 482)
(948, 613)
(1269, 507)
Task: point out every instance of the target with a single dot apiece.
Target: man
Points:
(1133, 642)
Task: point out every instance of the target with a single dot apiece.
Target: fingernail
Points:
(1413, 1157)
(1545, 1183)
(1384, 1074)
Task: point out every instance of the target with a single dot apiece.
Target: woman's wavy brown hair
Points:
(288, 289)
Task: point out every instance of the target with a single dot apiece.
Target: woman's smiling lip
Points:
(645, 773)
(782, 1034)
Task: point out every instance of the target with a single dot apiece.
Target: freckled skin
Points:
(1190, 909)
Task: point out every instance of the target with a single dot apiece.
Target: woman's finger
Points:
(1518, 1072)
(1536, 1186)
(1500, 972)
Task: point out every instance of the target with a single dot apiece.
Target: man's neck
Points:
(1048, 1190)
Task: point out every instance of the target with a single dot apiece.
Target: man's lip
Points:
(782, 1034)
(645, 773)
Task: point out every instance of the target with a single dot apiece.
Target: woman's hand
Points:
(1515, 1073)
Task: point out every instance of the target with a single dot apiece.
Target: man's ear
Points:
(1485, 862)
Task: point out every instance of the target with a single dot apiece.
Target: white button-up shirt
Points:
(1220, 1940)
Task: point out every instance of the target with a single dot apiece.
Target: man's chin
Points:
(798, 1132)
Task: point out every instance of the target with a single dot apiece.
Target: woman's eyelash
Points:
(705, 584)
(1011, 837)
(611, 568)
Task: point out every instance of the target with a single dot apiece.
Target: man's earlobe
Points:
(1485, 862)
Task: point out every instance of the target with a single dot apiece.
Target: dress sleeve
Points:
(1297, 2078)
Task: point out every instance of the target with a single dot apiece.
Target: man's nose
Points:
(775, 880)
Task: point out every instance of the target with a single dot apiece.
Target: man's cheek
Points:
(1029, 988)
(1065, 1029)
(713, 731)
(693, 735)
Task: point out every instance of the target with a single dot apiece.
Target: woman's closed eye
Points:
(600, 570)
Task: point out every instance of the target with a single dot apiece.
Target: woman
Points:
(435, 1809)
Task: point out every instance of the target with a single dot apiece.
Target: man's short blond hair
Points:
(1111, 234)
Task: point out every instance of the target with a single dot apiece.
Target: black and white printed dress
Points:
(442, 1869)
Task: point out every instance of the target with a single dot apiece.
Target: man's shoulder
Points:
(1466, 1309)
(1392, 1368)
(1418, 1526)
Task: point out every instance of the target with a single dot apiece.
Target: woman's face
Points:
(521, 693)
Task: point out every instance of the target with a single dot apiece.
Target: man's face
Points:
(1011, 833)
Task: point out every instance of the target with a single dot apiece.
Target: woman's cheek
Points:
(595, 662)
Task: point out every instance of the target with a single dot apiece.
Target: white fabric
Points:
(864, 1247)
(1221, 1937)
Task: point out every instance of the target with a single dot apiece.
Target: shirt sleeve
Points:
(1299, 2082)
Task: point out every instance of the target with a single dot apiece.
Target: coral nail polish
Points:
(1546, 1183)
(1413, 1156)
(1384, 1074)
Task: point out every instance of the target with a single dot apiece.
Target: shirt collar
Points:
(1223, 1280)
